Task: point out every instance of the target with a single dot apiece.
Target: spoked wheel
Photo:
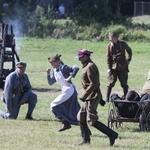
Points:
(143, 121)
(148, 122)
(119, 124)
(111, 119)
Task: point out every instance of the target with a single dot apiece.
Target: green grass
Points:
(141, 19)
(43, 132)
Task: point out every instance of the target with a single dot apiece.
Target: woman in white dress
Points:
(65, 106)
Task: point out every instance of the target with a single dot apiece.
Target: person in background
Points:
(61, 10)
(90, 98)
(65, 107)
(17, 91)
(117, 63)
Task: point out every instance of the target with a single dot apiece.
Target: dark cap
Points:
(21, 64)
(83, 52)
(113, 34)
(56, 57)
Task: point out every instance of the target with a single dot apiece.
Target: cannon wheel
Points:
(119, 124)
(142, 120)
(111, 119)
(148, 122)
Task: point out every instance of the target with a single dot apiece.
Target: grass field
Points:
(141, 19)
(42, 133)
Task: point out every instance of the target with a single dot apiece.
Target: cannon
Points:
(8, 54)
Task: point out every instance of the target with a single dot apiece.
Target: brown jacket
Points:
(116, 55)
(90, 81)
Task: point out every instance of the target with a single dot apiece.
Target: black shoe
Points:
(102, 102)
(84, 142)
(113, 138)
(64, 127)
(29, 118)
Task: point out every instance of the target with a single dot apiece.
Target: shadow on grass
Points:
(45, 89)
(41, 119)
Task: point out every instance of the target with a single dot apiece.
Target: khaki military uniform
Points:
(117, 62)
(91, 94)
(91, 98)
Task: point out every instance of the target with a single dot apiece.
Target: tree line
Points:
(37, 18)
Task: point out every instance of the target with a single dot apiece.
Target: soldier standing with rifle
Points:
(117, 63)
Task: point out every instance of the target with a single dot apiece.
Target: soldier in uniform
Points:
(90, 98)
(17, 91)
(117, 63)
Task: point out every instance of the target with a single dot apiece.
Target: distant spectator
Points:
(5, 5)
(62, 11)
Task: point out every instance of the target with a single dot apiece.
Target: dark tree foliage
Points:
(90, 11)
(40, 15)
(124, 7)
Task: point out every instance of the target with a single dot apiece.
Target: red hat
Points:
(83, 52)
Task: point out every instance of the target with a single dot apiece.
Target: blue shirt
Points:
(11, 83)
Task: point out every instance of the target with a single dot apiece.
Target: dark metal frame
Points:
(7, 41)
(116, 120)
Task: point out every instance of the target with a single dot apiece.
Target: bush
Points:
(40, 23)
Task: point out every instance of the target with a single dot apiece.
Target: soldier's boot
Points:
(85, 132)
(106, 130)
(108, 93)
(102, 102)
(125, 91)
(65, 125)
(29, 117)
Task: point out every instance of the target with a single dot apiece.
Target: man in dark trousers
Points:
(117, 63)
(90, 99)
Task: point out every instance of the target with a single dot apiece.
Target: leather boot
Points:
(65, 125)
(102, 102)
(125, 91)
(85, 132)
(106, 130)
(29, 117)
(108, 93)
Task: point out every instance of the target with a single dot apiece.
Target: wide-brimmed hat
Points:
(83, 52)
(21, 64)
(54, 58)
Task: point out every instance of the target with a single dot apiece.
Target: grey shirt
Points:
(11, 83)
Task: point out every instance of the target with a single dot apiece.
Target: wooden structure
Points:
(8, 54)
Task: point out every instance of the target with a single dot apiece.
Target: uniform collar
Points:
(86, 62)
